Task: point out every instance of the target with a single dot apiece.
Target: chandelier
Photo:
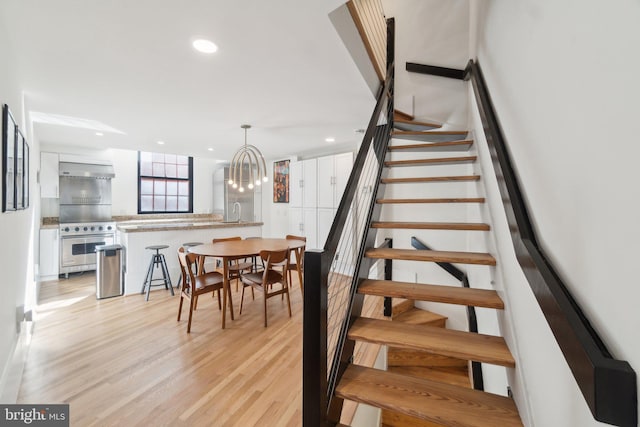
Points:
(250, 156)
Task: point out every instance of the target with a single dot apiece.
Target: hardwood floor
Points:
(123, 361)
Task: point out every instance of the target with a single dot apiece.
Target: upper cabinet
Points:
(333, 174)
(303, 190)
(49, 175)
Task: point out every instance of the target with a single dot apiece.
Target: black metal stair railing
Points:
(332, 274)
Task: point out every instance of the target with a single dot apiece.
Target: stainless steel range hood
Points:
(86, 170)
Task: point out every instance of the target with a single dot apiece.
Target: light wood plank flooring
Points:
(126, 362)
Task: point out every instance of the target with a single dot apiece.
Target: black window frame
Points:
(190, 181)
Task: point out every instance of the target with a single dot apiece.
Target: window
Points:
(165, 183)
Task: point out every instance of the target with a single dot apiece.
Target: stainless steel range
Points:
(78, 243)
(85, 214)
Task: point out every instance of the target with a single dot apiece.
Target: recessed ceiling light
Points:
(330, 139)
(210, 149)
(160, 142)
(99, 133)
(205, 46)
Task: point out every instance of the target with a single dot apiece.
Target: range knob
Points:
(93, 228)
(66, 229)
(86, 228)
(109, 228)
(100, 228)
(77, 228)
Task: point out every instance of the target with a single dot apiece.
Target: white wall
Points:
(431, 32)
(17, 230)
(563, 78)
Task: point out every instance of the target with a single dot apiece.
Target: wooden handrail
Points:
(368, 16)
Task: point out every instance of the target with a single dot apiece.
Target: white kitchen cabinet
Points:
(304, 222)
(333, 174)
(49, 265)
(303, 187)
(325, 220)
(49, 175)
(295, 184)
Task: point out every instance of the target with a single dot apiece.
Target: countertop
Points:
(136, 223)
(184, 224)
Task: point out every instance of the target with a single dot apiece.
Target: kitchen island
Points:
(136, 235)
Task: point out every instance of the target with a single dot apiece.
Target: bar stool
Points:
(186, 247)
(157, 260)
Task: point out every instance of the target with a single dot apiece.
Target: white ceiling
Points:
(129, 64)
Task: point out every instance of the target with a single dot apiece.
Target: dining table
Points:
(237, 249)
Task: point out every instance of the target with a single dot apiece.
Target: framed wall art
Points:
(9, 132)
(281, 181)
(25, 174)
(19, 170)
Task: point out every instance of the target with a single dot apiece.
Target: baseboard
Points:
(12, 372)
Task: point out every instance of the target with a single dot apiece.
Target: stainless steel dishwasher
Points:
(109, 271)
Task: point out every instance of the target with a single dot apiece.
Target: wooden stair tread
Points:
(464, 144)
(430, 179)
(417, 358)
(434, 200)
(431, 225)
(428, 132)
(434, 293)
(400, 305)
(454, 376)
(413, 121)
(432, 256)
(418, 316)
(402, 115)
(428, 400)
(447, 342)
(435, 161)
(429, 135)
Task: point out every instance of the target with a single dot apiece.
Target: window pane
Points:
(159, 186)
(159, 203)
(170, 170)
(146, 203)
(158, 170)
(182, 160)
(159, 194)
(183, 204)
(146, 168)
(145, 156)
(172, 203)
(172, 188)
(183, 188)
(158, 157)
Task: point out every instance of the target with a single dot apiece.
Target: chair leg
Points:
(165, 273)
(191, 308)
(219, 301)
(180, 306)
(242, 298)
(288, 299)
(265, 308)
(195, 305)
(231, 305)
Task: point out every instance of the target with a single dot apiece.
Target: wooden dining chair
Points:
(298, 265)
(194, 285)
(236, 266)
(276, 263)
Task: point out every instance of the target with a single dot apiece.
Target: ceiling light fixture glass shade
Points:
(247, 160)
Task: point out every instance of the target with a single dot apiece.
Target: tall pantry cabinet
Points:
(303, 199)
(316, 189)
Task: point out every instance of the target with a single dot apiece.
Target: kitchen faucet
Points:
(239, 206)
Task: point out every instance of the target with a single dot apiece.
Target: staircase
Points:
(427, 380)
